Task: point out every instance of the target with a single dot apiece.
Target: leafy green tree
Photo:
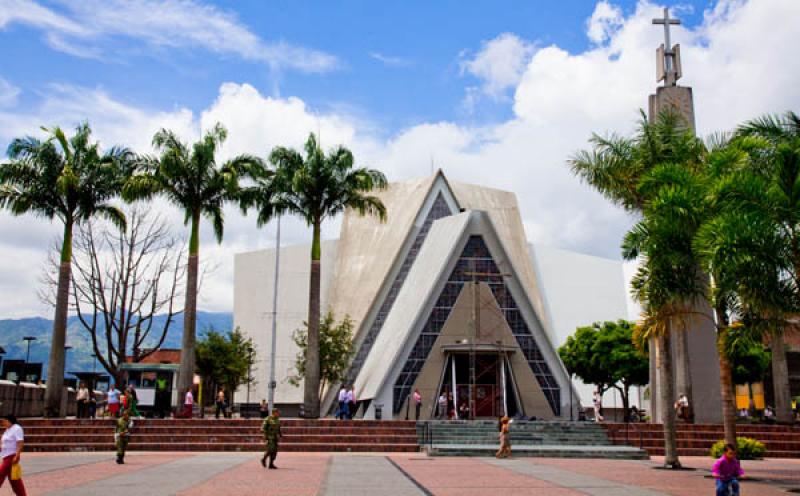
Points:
(335, 350)
(317, 187)
(190, 179)
(72, 180)
(616, 353)
(749, 358)
(226, 359)
(579, 357)
(604, 355)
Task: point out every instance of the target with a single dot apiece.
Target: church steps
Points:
(140, 427)
(221, 438)
(237, 446)
(528, 438)
(781, 441)
(221, 435)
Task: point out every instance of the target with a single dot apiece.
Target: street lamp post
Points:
(272, 384)
(23, 376)
(28, 339)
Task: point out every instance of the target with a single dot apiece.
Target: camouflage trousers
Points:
(122, 445)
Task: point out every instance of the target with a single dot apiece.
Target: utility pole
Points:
(272, 384)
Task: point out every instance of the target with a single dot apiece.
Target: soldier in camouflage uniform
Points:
(272, 433)
(122, 435)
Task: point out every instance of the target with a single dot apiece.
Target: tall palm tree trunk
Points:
(55, 368)
(683, 374)
(655, 412)
(186, 372)
(666, 399)
(780, 378)
(726, 380)
(312, 379)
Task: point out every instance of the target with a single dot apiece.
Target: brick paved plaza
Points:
(198, 474)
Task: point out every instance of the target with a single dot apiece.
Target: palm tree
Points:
(317, 187)
(727, 243)
(759, 208)
(72, 180)
(189, 178)
(615, 167)
(654, 175)
(668, 283)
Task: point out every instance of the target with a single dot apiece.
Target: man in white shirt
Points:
(112, 399)
(443, 406)
(342, 403)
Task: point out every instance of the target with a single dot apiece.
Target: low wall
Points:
(27, 400)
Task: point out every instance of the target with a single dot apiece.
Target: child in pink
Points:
(727, 472)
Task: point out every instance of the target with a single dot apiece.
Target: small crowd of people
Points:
(118, 401)
(446, 407)
(348, 405)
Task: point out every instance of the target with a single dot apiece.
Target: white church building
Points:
(446, 296)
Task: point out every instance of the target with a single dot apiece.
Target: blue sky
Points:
(495, 93)
(418, 80)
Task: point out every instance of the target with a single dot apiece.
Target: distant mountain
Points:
(79, 357)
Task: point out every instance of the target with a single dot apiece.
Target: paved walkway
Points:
(199, 474)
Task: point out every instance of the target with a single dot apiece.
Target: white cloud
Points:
(84, 29)
(8, 93)
(499, 64)
(739, 62)
(605, 20)
(389, 60)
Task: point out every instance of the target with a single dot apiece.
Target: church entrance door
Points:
(489, 397)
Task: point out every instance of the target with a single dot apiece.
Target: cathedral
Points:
(446, 298)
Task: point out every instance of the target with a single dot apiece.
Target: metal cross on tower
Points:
(668, 56)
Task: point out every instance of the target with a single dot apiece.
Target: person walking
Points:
(417, 403)
(112, 400)
(122, 435)
(342, 402)
(10, 451)
(505, 439)
(82, 398)
(352, 404)
(132, 402)
(442, 403)
(221, 404)
(597, 403)
(188, 403)
(272, 434)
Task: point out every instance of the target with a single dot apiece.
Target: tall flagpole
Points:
(272, 383)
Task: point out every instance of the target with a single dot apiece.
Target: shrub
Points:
(746, 449)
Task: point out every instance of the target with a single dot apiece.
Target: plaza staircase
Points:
(696, 439)
(221, 435)
(528, 438)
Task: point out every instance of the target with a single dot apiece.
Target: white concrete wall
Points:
(579, 290)
(252, 310)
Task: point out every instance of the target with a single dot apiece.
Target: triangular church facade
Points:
(444, 300)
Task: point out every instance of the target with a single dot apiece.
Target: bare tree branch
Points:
(121, 282)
